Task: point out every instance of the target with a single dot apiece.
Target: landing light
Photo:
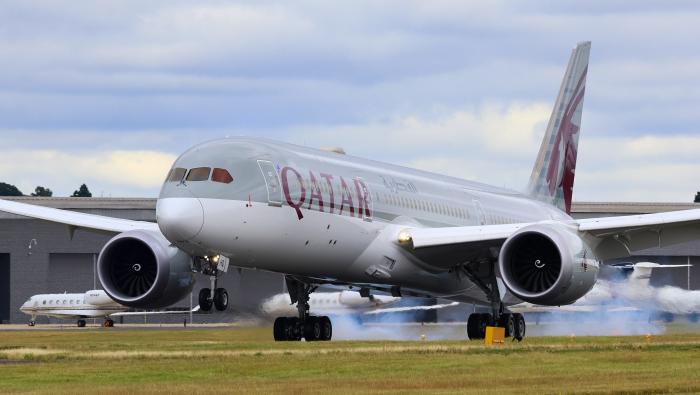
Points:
(215, 259)
(405, 237)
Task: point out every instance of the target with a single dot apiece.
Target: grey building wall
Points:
(41, 257)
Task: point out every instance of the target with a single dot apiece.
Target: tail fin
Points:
(552, 178)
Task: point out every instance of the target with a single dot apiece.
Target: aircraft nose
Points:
(180, 219)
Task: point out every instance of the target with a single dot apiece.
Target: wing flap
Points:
(76, 219)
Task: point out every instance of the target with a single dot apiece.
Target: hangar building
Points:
(41, 257)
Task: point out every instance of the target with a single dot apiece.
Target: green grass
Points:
(245, 360)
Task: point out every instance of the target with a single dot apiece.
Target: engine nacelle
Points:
(141, 269)
(547, 264)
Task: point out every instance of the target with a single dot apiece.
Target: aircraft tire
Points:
(81, 323)
(518, 326)
(32, 323)
(506, 321)
(293, 329)
(484, 321)
(204, 301)
(312, 329)
(220, 299)
(473, 326)
(326, 328)
(279, 329)
(110, 323)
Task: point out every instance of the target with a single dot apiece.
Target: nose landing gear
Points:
(214, 296)
(218, 298)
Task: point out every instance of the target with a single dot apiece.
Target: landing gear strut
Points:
(311, 328)
(483, 274)
(218, 297)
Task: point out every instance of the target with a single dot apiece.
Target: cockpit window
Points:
(199, 174)
(221, 175)
(176, 174)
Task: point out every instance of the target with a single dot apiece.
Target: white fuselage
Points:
(91, 304)
(328, 303)
(329, 217)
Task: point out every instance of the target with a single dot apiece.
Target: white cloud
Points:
(116, 173)
(497, 144)
(451, 86)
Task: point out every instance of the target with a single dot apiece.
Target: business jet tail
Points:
(552, 179)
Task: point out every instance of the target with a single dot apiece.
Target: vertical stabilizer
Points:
(552, 178)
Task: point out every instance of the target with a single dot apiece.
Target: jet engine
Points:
(547, 264)
(141, 269)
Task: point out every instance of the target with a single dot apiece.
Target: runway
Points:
(244, 359)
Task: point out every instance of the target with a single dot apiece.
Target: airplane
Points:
(634, 294)
(324, 218)
(341, 303)
(91, 304)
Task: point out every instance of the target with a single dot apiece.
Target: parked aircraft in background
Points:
(326, 218)
(91, 304)
(632, 294)
(341, 303)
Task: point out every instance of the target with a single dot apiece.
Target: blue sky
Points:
(108, 93)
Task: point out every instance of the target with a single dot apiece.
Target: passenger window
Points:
(221, 175)
(198, 174)
(176, 174)
(44, 302)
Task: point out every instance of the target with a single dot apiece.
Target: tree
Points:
(9, 190)
(82, 192)
(41, 191)
(697, 197)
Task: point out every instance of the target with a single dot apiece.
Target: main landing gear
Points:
(81, 323)
(483, 274)
(311, 328)
(218, 297)
(32, 323)
(513, 323)
(108, 323)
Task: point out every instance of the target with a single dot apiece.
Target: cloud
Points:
(161, 75)
(498, 143)
(115, 173)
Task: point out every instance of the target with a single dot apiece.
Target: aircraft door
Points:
(272, 182)
(480, 215)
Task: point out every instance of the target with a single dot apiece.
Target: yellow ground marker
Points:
(494, 336)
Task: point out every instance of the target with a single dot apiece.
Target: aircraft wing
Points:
(411, 308)
(614, 236)
(159, 312)
(76, 219)
(573, 308)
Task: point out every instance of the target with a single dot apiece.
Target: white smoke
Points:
(629, 308)
(393, 327)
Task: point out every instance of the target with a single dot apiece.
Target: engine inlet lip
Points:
(103, 271)
(504, 265)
